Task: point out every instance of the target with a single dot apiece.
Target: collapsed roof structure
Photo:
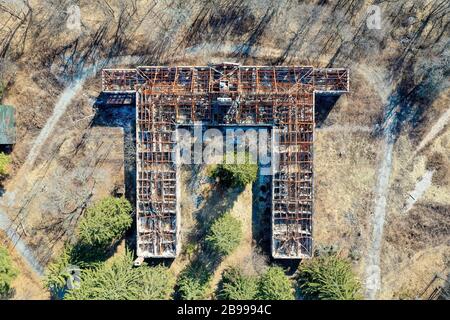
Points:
(281, 97)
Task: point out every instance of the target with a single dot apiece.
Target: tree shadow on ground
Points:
(220, 201)
(109, 113)
(119, 111)
(262, 213)
(203, 261)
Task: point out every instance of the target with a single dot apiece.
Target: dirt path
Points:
(19, 245)
(27, 285)
(378, 80)
(23, 184)
(60, 107)
(373, 271)
(434, 131)
(419, 190)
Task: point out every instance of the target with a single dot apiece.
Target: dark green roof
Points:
(7, 125)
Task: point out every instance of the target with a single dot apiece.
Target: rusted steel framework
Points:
(281, 97)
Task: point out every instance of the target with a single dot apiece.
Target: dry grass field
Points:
(372, 146)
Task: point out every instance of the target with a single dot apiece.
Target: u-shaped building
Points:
(281, 97)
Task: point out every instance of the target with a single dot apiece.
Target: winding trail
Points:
(19, 184)
(373, 269)
(9, 198)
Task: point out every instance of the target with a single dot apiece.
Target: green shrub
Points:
(191, 288)
(225, 234)
(236, 175)
(275, 285)
(328, 277)
(7, 272)
(101, 226)
(189, 249)
(57, 274)
(237, 286)
(76, 256)
(105, 222)
(117, 279)
(193, 282)
(5, 160)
